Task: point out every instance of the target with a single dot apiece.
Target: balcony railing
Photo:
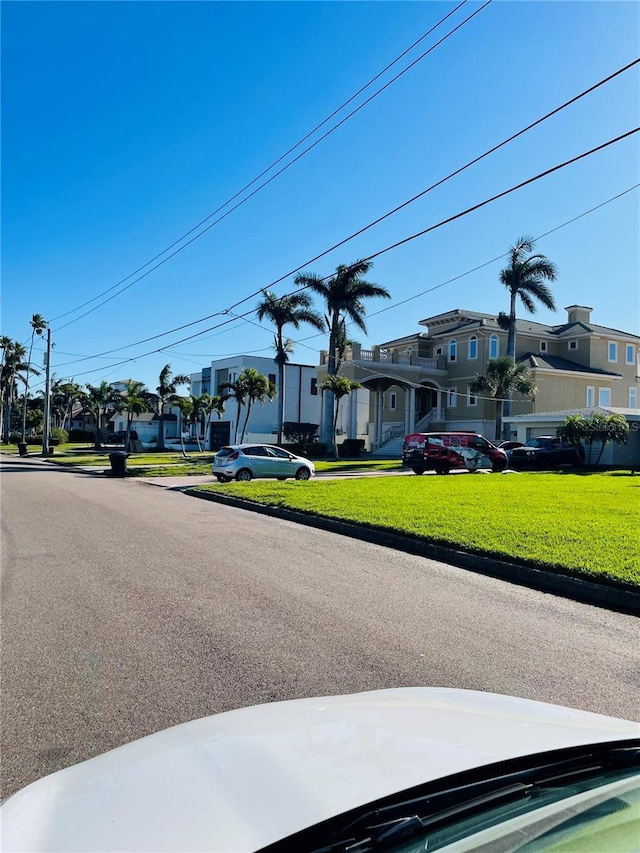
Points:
(357, 353)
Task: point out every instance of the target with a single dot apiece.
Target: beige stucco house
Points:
(421, 382)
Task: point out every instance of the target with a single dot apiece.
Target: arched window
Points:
(494, 346)
(473, 347)
(453, 350)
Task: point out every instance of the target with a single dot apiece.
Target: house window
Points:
(591, 396)
(494, 346)
(272, 378)
(452, 397)
(473, 347)
(472, 400)
(604, 396)
(572, 344)
(393, 400)
(633, 397)
(453, 349)
(543, 346)
(630, 350)
(314, 387)
(613, 351)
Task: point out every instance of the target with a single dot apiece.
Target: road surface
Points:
(127, 608)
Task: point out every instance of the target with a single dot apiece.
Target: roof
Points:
(554, 362)
(462, 318)
(586, 412)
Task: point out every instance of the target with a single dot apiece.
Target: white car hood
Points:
(240, 780)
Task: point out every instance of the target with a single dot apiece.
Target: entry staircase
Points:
(390, 446)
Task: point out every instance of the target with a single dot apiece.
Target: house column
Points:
(380, 408)
(440, 404)
(410, 410)
(352, 432)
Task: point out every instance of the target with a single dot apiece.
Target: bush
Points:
(351, 447)
(58, 436)
(298, 433)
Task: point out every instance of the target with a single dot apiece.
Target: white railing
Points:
(393, 431)
(429, 363)
(434, 415)
(366, 355)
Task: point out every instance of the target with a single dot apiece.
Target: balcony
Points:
(384, 357)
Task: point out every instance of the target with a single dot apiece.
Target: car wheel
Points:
(303, 474)
(418, 470)
(498, 466)
(222, 478)
(442, 469)
(281, 478)
(244, 475)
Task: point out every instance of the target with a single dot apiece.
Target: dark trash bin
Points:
(118, 460)
(22, 448)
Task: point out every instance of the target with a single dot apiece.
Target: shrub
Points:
(314, 448)
(351, 447)
(81, 435)
(299, 433)
(58, 436)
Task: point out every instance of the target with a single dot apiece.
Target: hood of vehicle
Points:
(240, 780)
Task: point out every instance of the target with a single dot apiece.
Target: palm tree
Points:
(235, 390)
(134, 400)
(98, 400)
(13, 369)
(185, 407)
(343, 294)
(291, 310)
(525, 278)
(213, 405)
(166, 395)
(503, 378)
(339, 386)
(258, 389)
(38, 325)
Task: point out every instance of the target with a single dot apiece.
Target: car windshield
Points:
(540, 442)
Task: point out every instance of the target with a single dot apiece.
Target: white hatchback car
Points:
(405, 770)
(243, 462)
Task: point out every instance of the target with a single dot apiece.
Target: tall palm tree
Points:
(503, 378)
(213, 406)
(13, 370)
(98, 400)
(258, 389)
(134, 400)
(291, 310)
(340, 386)
(185, 407)
(344, 294)
(166, 395)
(525, 278)
(38, 325)
(235, 390)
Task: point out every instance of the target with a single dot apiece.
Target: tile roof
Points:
(554, 362)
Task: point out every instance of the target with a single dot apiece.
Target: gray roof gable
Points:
(554, 362)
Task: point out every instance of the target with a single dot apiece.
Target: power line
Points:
(381, 218)
(265, 183)
(408, 239)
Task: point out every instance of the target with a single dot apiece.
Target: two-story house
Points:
(422, 382)
(301, 398)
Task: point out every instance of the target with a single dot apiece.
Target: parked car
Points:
(399, 770)
(509, 445)
(442, 451)
(120, 436)
(545, 452)
(243, 462)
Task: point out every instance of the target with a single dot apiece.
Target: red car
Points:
(442, 451)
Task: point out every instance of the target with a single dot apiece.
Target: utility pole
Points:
(47, 398)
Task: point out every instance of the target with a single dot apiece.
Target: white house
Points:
(301, 398)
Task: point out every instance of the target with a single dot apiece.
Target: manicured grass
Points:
(134, 460)
(581, 524)
(323, 465)
(184, 470)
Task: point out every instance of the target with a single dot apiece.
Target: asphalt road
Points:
(127, 608)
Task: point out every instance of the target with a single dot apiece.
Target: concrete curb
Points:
(603, 595)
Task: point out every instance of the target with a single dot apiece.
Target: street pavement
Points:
(128, 608)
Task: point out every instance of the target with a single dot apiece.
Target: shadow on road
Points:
(9, 466)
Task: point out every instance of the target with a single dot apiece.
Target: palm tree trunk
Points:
(128, 435)
(160, 439)
(328, 405)
(235, 436)
(246, 421)
(511, 349)
(499, 407)
(335, 426)
(280, 402)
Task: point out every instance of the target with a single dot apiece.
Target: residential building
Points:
(422, 382)
(301, 398)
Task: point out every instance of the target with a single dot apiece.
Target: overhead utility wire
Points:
(398, 243)
(271, 166)
(272, 178)
(376, 221)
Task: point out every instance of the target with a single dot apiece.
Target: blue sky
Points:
(125, 124)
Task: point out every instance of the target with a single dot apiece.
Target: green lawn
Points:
(135, 459)
(584, 524)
